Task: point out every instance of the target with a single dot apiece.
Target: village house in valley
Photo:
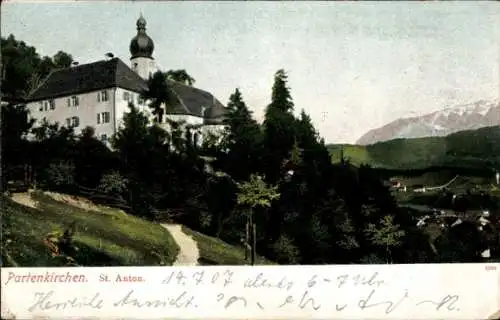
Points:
(97, 94)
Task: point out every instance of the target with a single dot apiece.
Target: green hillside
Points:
(102, 236)
(214, 251)
(466, 149)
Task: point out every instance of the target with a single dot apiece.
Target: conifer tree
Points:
(242, 139)
(279, 129)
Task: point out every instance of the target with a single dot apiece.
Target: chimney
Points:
(108, 56)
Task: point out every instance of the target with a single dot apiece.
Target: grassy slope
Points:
(473, 148)
(108, 237)
(214, 251)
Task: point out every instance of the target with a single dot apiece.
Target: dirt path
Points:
(25, 199)
(189, 253)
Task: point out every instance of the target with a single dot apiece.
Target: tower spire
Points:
(141, 23)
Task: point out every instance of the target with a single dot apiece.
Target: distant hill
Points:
(437, 124)
(478, 148)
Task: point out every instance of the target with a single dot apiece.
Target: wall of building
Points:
(116, 105)
(144, 67)
(215, 129)
(122, 98)
(86, 111)
(187, 119)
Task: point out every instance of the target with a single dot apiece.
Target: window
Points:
(102, 96)
(52, 104)
(72, 122)
(196, 138)
(135, 65)
(140, 100)
(103, 117)
(75, 101)
(126, 96)
(104, 137)
(75, 122)
(40, 108)
(45, 105)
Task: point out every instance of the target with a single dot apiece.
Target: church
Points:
(97, 94)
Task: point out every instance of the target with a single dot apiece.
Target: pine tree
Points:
(242, 139)
(279, 129)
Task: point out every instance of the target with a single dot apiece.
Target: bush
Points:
(285, 251)
(113, 184)
(59, 174)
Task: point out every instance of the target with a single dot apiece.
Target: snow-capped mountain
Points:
(439, 123)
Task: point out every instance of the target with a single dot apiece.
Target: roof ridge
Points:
(188, 86)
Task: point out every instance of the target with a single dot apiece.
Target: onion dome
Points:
(141, 45)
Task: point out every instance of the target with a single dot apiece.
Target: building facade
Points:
(98, 94)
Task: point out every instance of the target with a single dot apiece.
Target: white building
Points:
(97, 94)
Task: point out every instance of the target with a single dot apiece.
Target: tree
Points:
(131, 144)
(254, 194)
(281, 97)
(14, 146)
(113, 183)
(23, 68)
(242, 139)
(385, 234)
(279, 129)
(180, 76)
(62, 60)
(160, 95)
(92, 159)
(59, 175)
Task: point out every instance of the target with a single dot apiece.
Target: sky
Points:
(352, 66)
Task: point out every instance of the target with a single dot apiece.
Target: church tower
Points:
(141, 51)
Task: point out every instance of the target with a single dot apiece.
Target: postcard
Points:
(250, 160)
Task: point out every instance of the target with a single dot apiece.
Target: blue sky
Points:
(352, 66)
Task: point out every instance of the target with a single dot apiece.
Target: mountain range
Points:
(437, 124)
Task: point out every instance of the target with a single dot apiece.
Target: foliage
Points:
(256, 193)
(285, 251)
(59, 174)
(113, 183)
(241, 140)
(386, 234)
(180, 76)
(160, 95)
(23, 68)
